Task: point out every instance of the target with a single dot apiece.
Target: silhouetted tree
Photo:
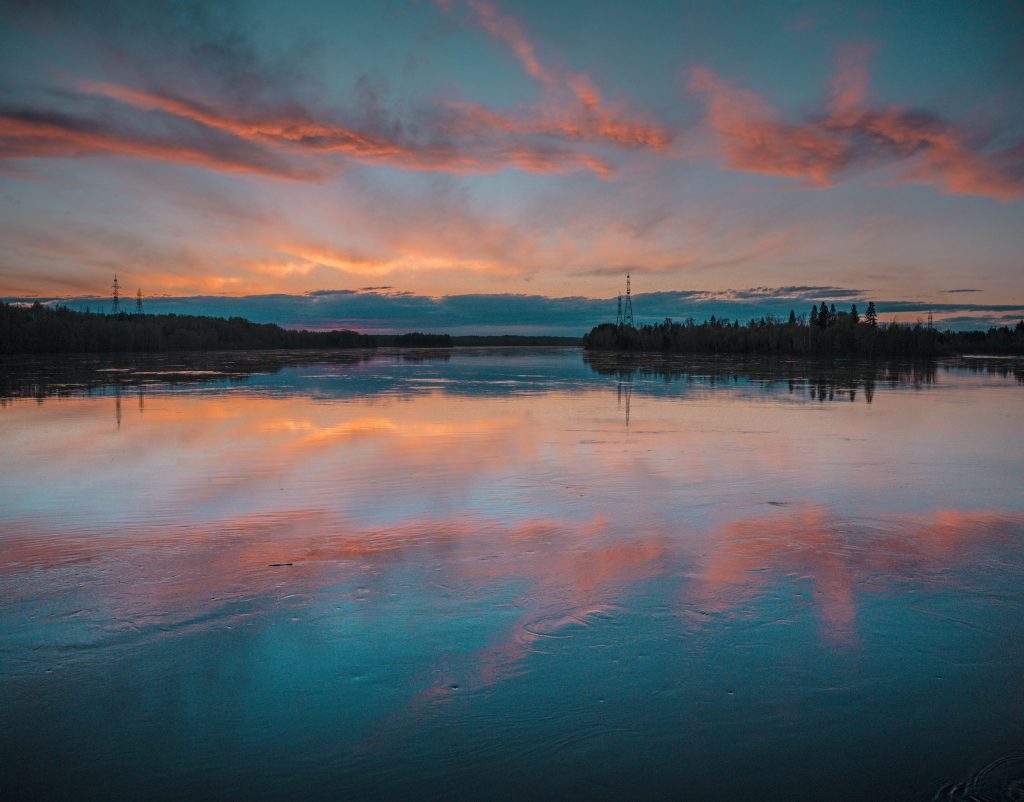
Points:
(792, 318)
(853, 315)
(419, 340)
(770, 336)
(871, 316)
(43, 329)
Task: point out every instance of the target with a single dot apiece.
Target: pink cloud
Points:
(29, 135)
(570, 107)
(302, 133)
(851, 134)
(753, 139)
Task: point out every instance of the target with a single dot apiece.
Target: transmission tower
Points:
(138, 302)
(618, 313)
(931, 322)
(627, 313)
(115, 301)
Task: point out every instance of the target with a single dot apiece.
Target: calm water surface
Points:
(510, 573)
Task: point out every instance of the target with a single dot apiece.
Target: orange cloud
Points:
(302, 134)
(508, 31)
(753, 138)
(940, 155)
(25, 135)
(850, 84)
(571, 106)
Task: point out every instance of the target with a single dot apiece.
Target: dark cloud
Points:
(981, 321)
(963, 289)
(801, 292)
(534, 314)
(184, 43)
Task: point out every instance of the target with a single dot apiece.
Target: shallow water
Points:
(510, 573)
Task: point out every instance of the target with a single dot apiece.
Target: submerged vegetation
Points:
(825, 332)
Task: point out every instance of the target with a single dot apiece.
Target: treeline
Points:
(418, 340)
(824, 332)
(415, 339)
(39, 329)
(515, 340)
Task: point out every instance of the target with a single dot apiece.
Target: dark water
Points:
(511, 574)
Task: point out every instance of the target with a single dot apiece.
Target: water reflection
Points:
(67, 376)
(840, 557)
(475, 371)
(820, 380)
(382, 575)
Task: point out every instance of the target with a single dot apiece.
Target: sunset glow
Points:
(415, 153)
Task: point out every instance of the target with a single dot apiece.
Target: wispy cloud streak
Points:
(851, 134)
(26, 133)
(570, 108)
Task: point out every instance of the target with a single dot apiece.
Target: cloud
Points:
(571, 107)
(259, 145)
(27, 133)
(385, 310)
(718, 256)
(237, 97)
(204, 94)
(301, 131)
(204, 69)
(852, 135)
(753, 139)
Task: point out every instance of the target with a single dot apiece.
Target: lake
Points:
(511, 573)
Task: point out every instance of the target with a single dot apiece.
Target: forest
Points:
(824, 332)
(43, 329)
(39, 329)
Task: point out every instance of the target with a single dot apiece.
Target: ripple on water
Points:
(567, 625)
(1001, 780)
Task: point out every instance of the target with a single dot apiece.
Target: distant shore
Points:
(39, 329)
(827, 333)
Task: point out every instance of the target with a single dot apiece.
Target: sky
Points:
(499, 166)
